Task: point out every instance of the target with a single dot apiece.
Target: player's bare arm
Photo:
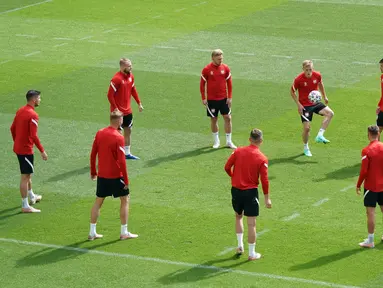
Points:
(322, 90)
(295, 98)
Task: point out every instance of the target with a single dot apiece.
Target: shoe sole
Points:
(367, 246)
(30, 211)
(94, 238)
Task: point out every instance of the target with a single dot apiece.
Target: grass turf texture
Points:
(180, 202)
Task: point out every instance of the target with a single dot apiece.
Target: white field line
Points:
(344, 2)
(4, 62)
(364, 63)
(347, 188)
(179, 10)
(97, 41)
(24, 7)
(85, 38)
(63, 38)
(165, 47)
(260, 233)
(244, 53)
(60, 45)
(320, 202)
(110, 30)
(291, 217)
(199, 4)
(176, 263)
(26, 35)
(32, 53)
(130, 44)
(203, 50)
(156, 17)
(282, 56)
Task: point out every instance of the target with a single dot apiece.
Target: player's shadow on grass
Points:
(54, 254)
(200, 272)
(181, 155)
(6, 213)
(324, 260)
(69, 174)
(342, 173)
(299, 159)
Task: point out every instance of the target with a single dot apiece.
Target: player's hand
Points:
(44, 156)
(93, 177)
(126, 187)
(325, 100)
(268, 203)
(358, 190)
(140, 107)
(228, 102)
(116, 110)
(300, 109)
(204, 102)
(377, 111)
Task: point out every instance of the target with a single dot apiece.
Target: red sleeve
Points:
(121, 159)
(135, 93)
(13, 129)
(264, 177)
(363, 169)
(202, 83)
(93, 155)
(319, 77)
(295, 85)
(111, 92)
(229, 84)
(33, 125)
(229, 164)
(380, 104)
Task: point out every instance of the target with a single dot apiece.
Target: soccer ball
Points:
(315, 97)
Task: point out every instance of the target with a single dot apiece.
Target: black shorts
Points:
(111, 187)
(245, 201)
(379, 119)
(215, 106)
(371, 198)
(128, 121)
(26, 163)
(310, 110)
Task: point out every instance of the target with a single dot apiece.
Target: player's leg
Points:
(226, 113)
(251, 238)
(251, 211)
(238, 207)
(381, 209)
(94, 214)
(305, 136)
(123, 194)
(328, 114)
(212, 113)
(239, 232)
(370, 199)
(33, 198)
(127, 125)
(379, 122)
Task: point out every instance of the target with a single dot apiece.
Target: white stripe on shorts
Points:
(29, 162)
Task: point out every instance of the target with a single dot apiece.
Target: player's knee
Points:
(306, 129)
(330, 113)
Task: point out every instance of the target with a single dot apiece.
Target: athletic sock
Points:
(371, 238)
(92, 229)
(240, 239)
(306, 146)
(127, 150)
(215, 137)
(24, 203)
(251, 249)
(124, 229)
(321, 132)
(228, 137)
(31, 194)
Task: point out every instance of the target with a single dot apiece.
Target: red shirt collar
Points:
(30, 106)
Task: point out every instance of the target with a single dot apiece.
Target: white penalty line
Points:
(347, 188)
(320, 202)
(32, 53)
(24, 7)
(60, 45)
(177, 263)
(291, 217)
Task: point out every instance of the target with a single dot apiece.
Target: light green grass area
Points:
(180, 194)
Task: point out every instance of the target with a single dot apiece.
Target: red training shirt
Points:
(371, 171)
(121, 89)
(249, 163)
(24, 131)
(305, 85)
(380, 104)
(219, 83)
(109, 146)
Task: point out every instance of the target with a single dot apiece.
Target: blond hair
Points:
(256, 135)
(124, 61)
(116, 115)
(307, 63)
(216, 52)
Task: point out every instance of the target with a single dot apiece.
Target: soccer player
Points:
(371, 173)
(249, 165)
(121, 89)
(24, 134)
(379, 110)
(306, 82)
(112, 176)
(217, 76)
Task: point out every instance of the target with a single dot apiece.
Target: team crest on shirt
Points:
(222, 71)
(315, 81)
(123, 81)
(211, 73)
(305, 83)
(130, 79)
(307, 114)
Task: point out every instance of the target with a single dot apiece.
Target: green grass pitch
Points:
(180, 203)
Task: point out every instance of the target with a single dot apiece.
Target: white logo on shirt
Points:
(130, 79)
(211, 72)
(123, 81)
(222, 71)
(305, 83)
(315, 81)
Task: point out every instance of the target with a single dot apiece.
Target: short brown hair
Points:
(115, 115)
(256, 134)
(124, 61)
(373, 130)
(216, 52)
